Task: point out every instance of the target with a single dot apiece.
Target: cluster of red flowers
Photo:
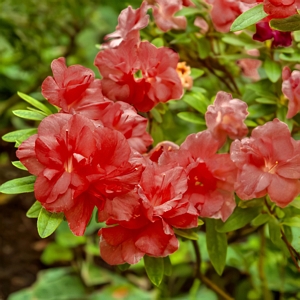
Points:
(93, 152)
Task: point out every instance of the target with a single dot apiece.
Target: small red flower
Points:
(130, 22)
(268, 163)
(210, 176)
(291, 90)
(72, 88)
(158, 81)
(78, 166)
(226, 117)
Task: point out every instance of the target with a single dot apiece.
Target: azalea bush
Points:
(188, 142)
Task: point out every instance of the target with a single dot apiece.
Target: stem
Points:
(295, 256)
(205, 279)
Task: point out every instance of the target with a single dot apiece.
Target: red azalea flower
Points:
(123, 117)
(149, 231)
(164, 15)
(278, 9)
(268, 163)
(160, 148)
(210, 176)
(130, 22)
(159, 80)
(226, 118)
(71, 159)
(72, 88)
(291, 90)
(224, 12)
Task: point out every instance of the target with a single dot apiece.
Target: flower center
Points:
(270, 167)
(201, 180)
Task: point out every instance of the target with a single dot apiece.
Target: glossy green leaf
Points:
(34, 210)
(195, 73)
(260, 219)
(154, 268)
(29, 115)
(191, 117)
(197, 102)
(18, 186)
(216, 243)
(48, 222)
(19, 165)
(239, 218)
(291, 23)
(35, 103)
(167, 266)
(273, 70)
(249, 17)
(19, 135)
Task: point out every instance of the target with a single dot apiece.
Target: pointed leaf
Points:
(19, 165)
(18, 135)
(248, 18)
(238, 219)
(154, 268)
(291, 23)
(196, 102)
(34, 210)
(191, 117)
(124, 267)
(35, 103)
(29, 115)
(48, 222)
(216, 243)
(187, 233)
(167, 266)
(273, 70)
(18, 186)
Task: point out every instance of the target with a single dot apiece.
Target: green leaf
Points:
(158, 42)
(29, 115)
(56, 253)
(198, 102)
(260, 219)
(203, 47)
(124, 267)
(19, 135)
(291, 23)
(34, 210)
(266, 101)
(195, 73)
(167, 266)
(273, 70)
(187, 233)
(48, 222)
(156, 115)
(19, 165)
(154, 268)
(248, 18)
(18, 186)
(191, 117)
(239, 218)
(274, 231)
(35, 103)
(216, 243)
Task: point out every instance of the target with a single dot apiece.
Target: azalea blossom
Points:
(264, 32)
(72, 88)
(160, 148)
(149, 231)
(224, 12)
(291, 90)
(184, 73)
(78, 166)
(278, 9)
(164, 14)
(226, 117)
(268, 163)
(210, 176)
(141, 75)
(130, 22)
